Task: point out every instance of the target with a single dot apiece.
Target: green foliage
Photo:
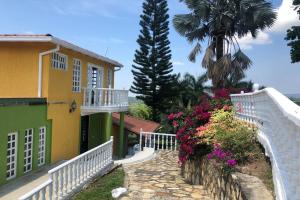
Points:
(234, 135)
(189, 90)
(140, 110)
(221, 22)
(101, 189)
(293, 36)
(152, 66)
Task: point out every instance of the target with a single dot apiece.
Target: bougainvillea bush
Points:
(186, 124)
(211, 130)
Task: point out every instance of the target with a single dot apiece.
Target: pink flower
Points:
(179, 114)
(226, 108)
(201, 128)
(171, 116)
(231, 162)
(175, 124)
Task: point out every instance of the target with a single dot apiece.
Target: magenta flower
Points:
(231, 162)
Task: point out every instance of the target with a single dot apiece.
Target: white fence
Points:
(97, 97)
(278, 121)
(158, 141)
(67, 178)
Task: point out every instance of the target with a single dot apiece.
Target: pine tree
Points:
(152, 66)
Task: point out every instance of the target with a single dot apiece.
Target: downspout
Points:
(41, 68)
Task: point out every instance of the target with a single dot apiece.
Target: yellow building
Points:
(76, 83)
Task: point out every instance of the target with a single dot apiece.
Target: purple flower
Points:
(231, 162)
(209, 156)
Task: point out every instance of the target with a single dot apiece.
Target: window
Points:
(59, 61)
(76, 75)
(11, 166)
(95, 76)
(28, 150)
(110, 78)
(42, 146)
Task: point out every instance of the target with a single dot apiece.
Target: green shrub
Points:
(233, 135)
(140, 110)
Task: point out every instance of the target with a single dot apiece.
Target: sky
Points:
(111, 28)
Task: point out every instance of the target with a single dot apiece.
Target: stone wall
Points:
(222, 185)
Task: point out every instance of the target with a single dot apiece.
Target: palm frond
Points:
(208, 58)
(196, 50)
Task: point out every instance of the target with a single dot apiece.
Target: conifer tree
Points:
(152, 68)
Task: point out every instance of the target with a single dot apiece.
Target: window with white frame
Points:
(110, 78)
(59, 61)
(42, 146)
(28, 150)
(76, 75)
(11, 156)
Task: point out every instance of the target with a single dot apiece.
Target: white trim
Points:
(28, 149)
(43, 155)
(75, 63)
(40, 72)
(100, 69)
(57, 41)
(58, 61)
(15, 162)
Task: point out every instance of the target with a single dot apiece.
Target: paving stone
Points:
(160, 179)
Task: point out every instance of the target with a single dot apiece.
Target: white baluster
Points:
(50, 191)
(141, 135)
(43, 194)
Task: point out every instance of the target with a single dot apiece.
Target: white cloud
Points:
(248, 41)
(178, 63)
(286, 17)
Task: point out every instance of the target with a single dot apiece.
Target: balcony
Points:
(97, 100)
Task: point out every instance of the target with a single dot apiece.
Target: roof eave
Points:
(62, 43)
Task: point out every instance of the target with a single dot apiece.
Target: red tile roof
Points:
(135, 125)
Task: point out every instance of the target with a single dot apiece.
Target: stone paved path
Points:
(160, 179)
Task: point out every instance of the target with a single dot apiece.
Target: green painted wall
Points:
(100, 129)
(18, 118)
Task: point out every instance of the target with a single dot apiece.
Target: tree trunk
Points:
(217, 82)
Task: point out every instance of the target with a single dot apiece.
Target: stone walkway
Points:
(160, 179)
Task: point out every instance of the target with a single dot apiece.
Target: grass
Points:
(102, 187)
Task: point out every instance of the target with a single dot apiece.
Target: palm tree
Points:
(221, 22)
(189, 90)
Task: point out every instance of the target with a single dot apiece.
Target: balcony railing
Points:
(72, 175)
(104, 100)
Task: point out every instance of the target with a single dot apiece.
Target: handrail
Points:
(73, 174)
(37, 190)
(278, 121)
(79, 157)
(158, 141)
(102, 98)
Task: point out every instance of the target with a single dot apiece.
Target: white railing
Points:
(278, 122)
(67, 178)
(158, 141)
(101, 97)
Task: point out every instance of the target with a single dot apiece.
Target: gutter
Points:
(118, 68)
(41, 68)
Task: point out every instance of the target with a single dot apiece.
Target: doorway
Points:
(84, 138)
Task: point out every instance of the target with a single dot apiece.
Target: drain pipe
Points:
(41, 68)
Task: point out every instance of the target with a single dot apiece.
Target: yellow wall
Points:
(19, 78)
(19, 69)
(66, 125)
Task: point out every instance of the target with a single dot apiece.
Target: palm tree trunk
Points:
(219, 54)
(220, 46)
